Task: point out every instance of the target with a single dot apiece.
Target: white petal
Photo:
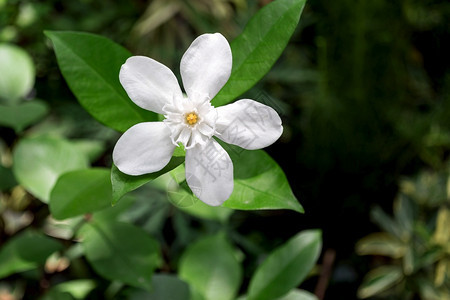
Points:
(196, 138)
(149, 83)
(210, 118)
(248, 124)
(209, 173)
(206, 65)
(144, 148)
(184, 136)
(205, 129)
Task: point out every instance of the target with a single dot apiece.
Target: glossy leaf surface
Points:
(211, 268)
(91, 64)
(17, 73)
(26, 251)
(39, 161)
(123, 183)
(379, 280)
(258, 47)
(286, 267)
(259, 182)
(121, 251)
(20, 116)
(80, 192)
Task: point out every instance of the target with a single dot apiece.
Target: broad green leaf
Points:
(164, 287)
(91, 64)
(39, 161)
(78, 289)
(20, 116)
(80, 192)
(379, 280)
(298, 295)
(211, 268)
(57, 295)
(381, 243)
(123, 183)
(204, 211)
(294, 294)
(93, 149)
(258, 47)
(26, 251)
(121, 251)
(117, 212)
(17, 73)
(181, 196)
(286, 267)
(259, 182)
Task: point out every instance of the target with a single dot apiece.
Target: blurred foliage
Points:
(415, 243)
(366, 92)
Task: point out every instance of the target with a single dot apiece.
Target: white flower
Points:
(192, 120)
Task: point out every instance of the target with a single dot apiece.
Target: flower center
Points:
(191, 118)
(190, 122)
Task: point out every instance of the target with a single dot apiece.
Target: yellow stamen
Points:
(191, 118)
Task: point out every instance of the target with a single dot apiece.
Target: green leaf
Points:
(381, 243)
(17, 73)
(428, 291)
(57, 295)
(409, 260)
(118, 212)
(286, 267)
(121, 251)
(123, 183)
(164, 287)
(379, 280)
(39, 161)
(93, 149)
(204, 211)
(26, 251)
(80, 192)
(20, 116)
(385, 222)
(259, 182)
(211, 268)
(295, 294)
(298, 295)
(91, 64)
(404, 214)
(7, 180)
(78, 289)
(258, 47)
(428, 257)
